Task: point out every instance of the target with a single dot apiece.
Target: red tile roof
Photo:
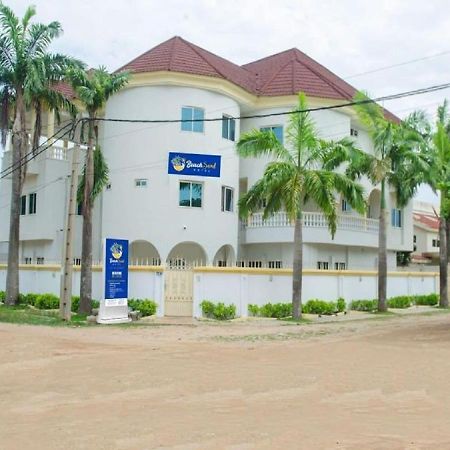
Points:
(65, 89)
(427, 220)
(285, 73)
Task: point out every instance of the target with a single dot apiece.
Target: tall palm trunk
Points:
(37, 126)
(382, 258)
(443, 258)
(297, 270)
(86, 246)
(19, 146)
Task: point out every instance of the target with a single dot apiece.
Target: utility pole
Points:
(65, 302)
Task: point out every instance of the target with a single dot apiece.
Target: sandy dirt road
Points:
(379, 384)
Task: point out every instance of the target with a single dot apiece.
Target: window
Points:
(192, 119)
(345, 206)
(140, 182)
(23, 205)
(28, 260)
(322, 265)
(227, 199)
(353, 132)
(39, 260)
(32, 203)
(108, 187)
(190, 194)
(340, 266)
(80, 209)
(275, 264)
(436, 243)
(277, 130)
(254, 264)
(228, 127)
(396, 218)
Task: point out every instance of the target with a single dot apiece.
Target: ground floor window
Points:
(23, 205)
(191, 194)
(322, 265)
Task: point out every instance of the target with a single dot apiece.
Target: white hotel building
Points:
(192, 216)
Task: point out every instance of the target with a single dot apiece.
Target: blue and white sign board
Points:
(114, 305)
(194, 164)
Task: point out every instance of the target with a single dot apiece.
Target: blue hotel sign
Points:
(116, 269)
(194, 164)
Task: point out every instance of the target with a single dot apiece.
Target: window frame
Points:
(271, 128)
(228, 132)
(345, 206)
(23, 205)
(396, 218)
(190, 193)
(190, 122)
(32, 205)
(223, 199)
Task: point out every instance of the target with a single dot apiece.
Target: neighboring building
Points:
(175, 211)
(426, 234)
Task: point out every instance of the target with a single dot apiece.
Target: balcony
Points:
(351, 230)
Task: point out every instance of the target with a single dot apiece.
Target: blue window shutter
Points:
(198, 115)
(186, 114)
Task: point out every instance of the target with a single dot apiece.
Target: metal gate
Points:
(178, 291)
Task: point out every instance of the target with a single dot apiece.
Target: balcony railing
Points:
(314, 220)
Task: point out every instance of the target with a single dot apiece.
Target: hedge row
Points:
(218, 311)
(401, 301)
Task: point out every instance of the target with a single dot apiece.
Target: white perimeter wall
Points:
(239, 286)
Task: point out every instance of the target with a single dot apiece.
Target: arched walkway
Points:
(225, 256)
(143, 253)
(374, 204)
(187, 254)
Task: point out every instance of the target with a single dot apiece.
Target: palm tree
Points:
(296, 175)
(93, 89)
(437, 154)
(395, 162)
(25, 65)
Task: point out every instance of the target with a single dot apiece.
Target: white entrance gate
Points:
(178, 291)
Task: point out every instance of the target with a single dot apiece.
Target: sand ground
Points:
(365, 384)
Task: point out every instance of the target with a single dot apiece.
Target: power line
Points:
(414, 92)
(392, 66)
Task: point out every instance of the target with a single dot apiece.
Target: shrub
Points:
(364, 305)
(402, 301)
(46, 301)
(319, 307)
(218, 311)
(276, 310)
(145, 306)
(341, 305)
(29, 299)
(430, 299)
(2, 296)
(76, 303)
(253, 310)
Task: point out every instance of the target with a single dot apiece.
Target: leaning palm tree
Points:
(93, 88)
(23, 49)
(296, 175)
(396, 162)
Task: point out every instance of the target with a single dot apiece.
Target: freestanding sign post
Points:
(114, 305)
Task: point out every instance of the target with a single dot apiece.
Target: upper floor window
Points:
(80, 209)
(32, 201)
(227, 199)
(23, 205)
(353, 132)
(191, 194)
(277, 131)
(228, 127)
(436, 243)
(192, 119)
(396, 218)
(141, 182)
(345, 206)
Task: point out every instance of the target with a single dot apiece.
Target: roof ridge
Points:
(175, 40)
(267, 57)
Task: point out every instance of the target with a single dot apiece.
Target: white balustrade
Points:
(55, 152)
(314, 220)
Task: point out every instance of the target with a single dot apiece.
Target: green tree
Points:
(297, 174)
(396, 162)
(26, 67)
(93, 88)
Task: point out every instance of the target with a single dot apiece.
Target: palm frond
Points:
(256, 143)
(101, 174)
